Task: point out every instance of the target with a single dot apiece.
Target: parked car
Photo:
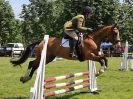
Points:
(14, 48)
(130, 49)
(2, 51)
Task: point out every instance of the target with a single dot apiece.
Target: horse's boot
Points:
(72, 44)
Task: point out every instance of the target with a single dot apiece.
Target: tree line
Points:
(42, 17)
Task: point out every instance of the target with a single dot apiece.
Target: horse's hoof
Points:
(25, 79)
(22, 79)
(101, 71)
(98, 74)
(105, 68)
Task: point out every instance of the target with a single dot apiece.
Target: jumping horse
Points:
(90, 49)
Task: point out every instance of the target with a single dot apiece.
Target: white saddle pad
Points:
(65, 42)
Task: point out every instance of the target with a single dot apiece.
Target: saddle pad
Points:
(65, 42)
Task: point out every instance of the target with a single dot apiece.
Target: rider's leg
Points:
(72, 45)
(73, 42)
(72, 34)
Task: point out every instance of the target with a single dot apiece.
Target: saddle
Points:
(76, 46)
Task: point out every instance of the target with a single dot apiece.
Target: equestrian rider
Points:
(77, 23)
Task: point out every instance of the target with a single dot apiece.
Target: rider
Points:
(77, 23)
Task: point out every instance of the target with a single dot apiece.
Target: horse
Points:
(90, 49)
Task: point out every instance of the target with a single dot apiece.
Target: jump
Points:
(89, 49)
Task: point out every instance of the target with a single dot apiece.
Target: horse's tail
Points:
(25, 55)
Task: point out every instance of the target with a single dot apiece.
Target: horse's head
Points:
(113, 35)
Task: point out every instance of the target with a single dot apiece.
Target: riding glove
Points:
(90, 30)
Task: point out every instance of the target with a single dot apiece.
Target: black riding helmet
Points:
(87, 9)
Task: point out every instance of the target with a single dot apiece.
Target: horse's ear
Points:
(115, 25)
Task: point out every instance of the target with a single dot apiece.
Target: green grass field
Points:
(114, 84)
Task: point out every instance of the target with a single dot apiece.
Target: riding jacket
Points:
(76, 23)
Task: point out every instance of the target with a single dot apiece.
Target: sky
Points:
(17, 6)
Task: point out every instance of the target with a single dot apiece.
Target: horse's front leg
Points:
(105, 61)
(104, 64)
(101, 59)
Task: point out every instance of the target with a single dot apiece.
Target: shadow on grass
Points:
(68, 96)
(15, 98)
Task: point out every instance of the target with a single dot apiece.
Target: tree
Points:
(48, 17)
(37, 20)
(105, 11)
(7, 23)
(126, 24)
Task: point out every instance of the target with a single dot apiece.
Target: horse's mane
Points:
(99, 28)
(102, 29)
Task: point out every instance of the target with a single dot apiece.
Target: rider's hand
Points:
(90, 30)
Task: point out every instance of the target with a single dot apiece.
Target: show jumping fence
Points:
(40, 85)
(37, 91)
(125, 62)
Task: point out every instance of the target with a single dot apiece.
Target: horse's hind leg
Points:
(33, 65)
(50, 59)
(27, 75)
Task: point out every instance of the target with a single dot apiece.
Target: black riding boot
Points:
(72, 45)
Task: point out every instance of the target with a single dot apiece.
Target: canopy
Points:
(105, 44)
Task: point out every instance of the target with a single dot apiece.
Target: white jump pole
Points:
(132, 63)
(124, 62)
(37, 91)
(92, 76)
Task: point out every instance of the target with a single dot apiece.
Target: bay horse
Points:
(90, 50)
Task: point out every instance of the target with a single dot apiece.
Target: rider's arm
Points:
(80, 27)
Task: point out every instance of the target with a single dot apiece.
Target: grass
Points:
(114, 84)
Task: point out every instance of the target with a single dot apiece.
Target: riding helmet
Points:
(87, 9)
